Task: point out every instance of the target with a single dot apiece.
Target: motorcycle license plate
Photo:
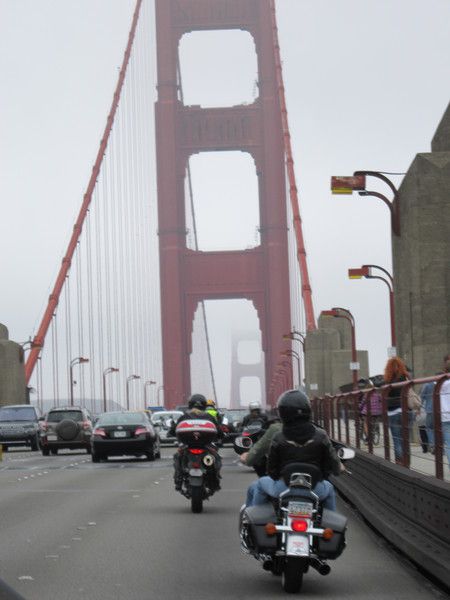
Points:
(300, 509)
(297, 545)
(195, 472)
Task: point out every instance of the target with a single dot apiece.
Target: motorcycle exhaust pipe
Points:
(320, 566)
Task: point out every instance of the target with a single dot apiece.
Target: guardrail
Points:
(408, 508)
(340, 416)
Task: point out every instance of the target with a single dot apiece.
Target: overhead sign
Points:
(354, 366)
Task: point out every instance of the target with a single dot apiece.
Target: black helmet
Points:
(294, 405)
(197, 401)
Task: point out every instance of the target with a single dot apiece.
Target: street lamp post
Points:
(146, 384)
(160, 388)
(357, 183)
(296, 355)
(105, 373)
(366, 272)
(343, 313)
(75, 361)
(130, 378)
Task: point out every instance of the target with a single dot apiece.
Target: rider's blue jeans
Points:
(260, 490)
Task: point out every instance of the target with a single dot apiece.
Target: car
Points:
(162, 420)
(124, 433)
(66, 427)
(19, 426)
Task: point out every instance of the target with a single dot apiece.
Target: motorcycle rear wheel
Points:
(292, 577)
(197, 499)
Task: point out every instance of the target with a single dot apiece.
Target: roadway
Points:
(71, 529)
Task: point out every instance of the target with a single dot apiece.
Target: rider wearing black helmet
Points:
(299, 441)
(196, 410)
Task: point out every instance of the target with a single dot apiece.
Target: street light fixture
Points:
(129, 378)
(105, 373)
(75, 361)
(343, 313)
(296, 335)
(357, 183)
(366, 272)
(146, 384)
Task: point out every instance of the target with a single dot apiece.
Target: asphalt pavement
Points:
(71, 529)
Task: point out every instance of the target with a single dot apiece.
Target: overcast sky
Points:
(367, 83)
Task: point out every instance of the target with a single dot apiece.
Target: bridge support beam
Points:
(187, 277)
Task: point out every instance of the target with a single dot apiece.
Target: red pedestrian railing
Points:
(343, 417)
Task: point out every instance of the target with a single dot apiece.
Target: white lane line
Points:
(92, 523)
(54, 556)
(76, 539)
(25, 578)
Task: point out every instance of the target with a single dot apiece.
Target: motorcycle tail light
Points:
(270, 528)
(299, 525)
(245, 434)
(196, 450)
(327, 533)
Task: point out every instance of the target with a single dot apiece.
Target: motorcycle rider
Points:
(299, 441)
(196, 410)
(212, 410)
(255, 414)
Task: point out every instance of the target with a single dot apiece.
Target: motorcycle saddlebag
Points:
(338, 523)
(196, 432)
(258, 517)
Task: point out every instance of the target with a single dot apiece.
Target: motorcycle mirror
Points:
(243, 442)
(346, 453)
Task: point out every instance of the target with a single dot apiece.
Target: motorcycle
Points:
(249, 436)
(294, 532)
(199, 460)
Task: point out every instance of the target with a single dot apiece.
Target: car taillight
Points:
(196, 450)
(225, 428)
(99, 431)
(86, 425)
(299, 525)
(141, 430)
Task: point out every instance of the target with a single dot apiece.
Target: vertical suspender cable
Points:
(54, 296)
(301, 252)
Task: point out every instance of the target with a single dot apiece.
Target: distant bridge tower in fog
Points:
(242, 371)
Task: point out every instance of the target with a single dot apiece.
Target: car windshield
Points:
(60, 415)
(163, 416)
(22, 413)
(235, 415)
(122, 419)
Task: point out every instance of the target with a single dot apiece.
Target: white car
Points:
(162, 419)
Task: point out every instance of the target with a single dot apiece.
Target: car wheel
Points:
(54, 451)
(150, 455)
(95, 457)
(35, 443)
(45, 451)
(89, 450)
(5, 448)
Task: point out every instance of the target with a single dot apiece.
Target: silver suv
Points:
(66, 427)
(19, 426)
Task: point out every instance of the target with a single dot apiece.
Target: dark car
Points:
(124, 433)
(66, 427)
(19, 426)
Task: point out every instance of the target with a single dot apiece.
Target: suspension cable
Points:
(293, 193)
(39, 338)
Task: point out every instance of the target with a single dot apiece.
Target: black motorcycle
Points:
(199, 459)
(249, 436)
(294, 532)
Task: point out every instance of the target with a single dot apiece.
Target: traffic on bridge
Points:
(205, 392)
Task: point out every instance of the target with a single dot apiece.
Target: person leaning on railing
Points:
(445, 411)
(395, 372)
